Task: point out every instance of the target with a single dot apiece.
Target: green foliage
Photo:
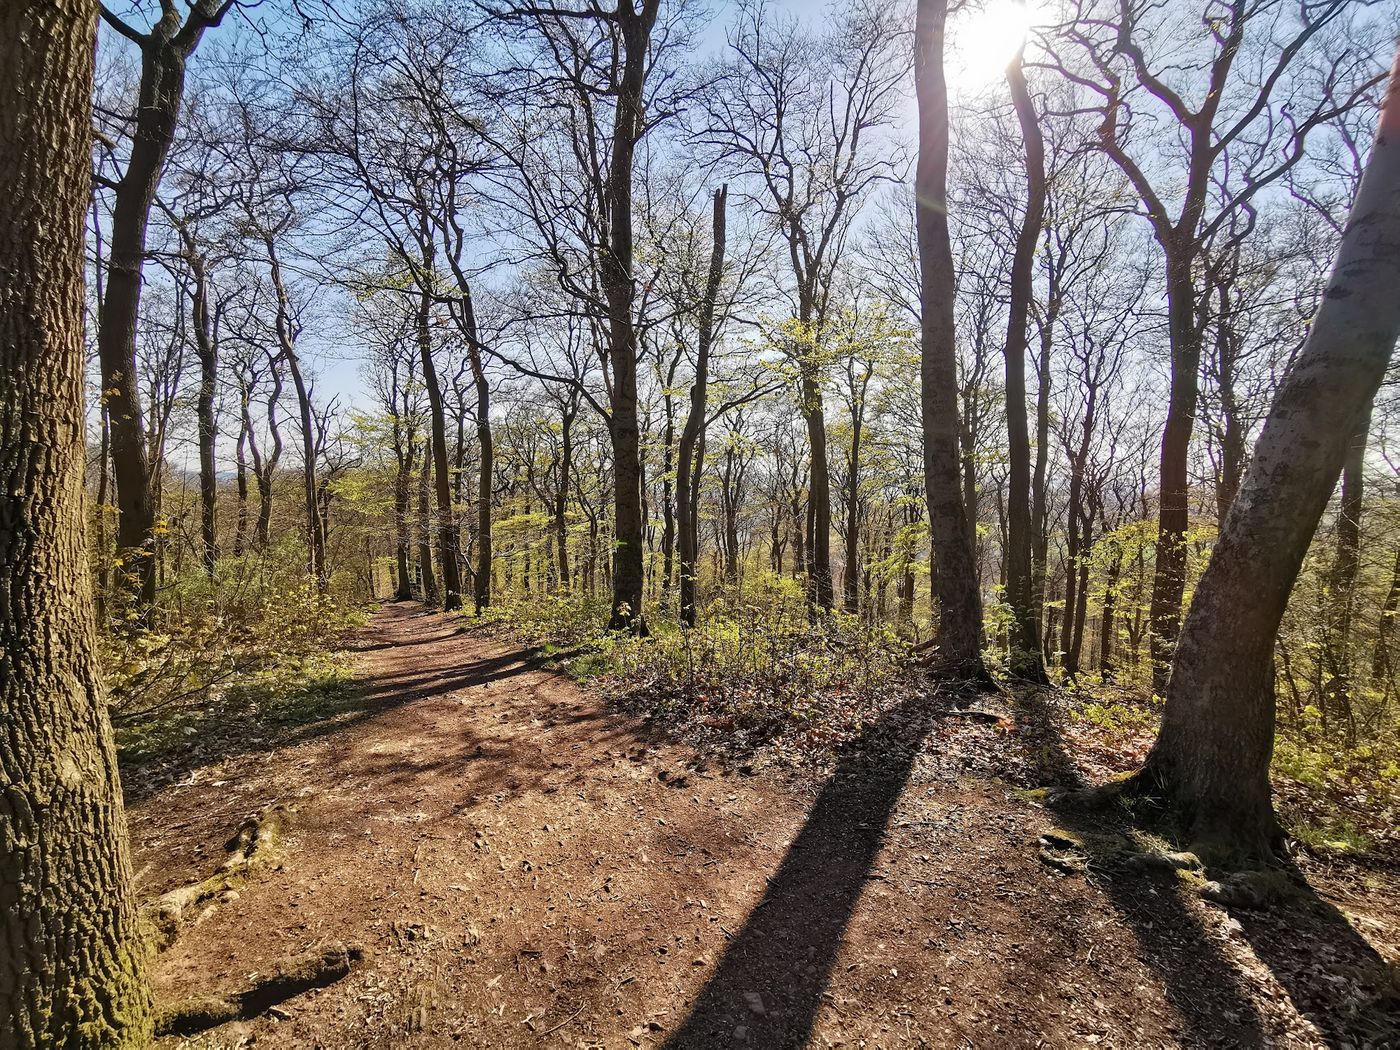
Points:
(256, 617)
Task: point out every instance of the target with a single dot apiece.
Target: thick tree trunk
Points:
(71, 953)
(1020, 586)
(959, 632)
(634, 28)
(1212, 756)
(1173, 511)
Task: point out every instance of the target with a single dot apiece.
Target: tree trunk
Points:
(561, 496)
(481, 590)
(164, 52)
(315, 532)
(427, 578)
(207, 348)
(634, 28)
(1173, 516)
(71, 952)
(850, 595)
(402, 497)
(959, 631)
(442, 474)
(1212, 756)
(687, 468)
(1025, 659)
(819, 582)
(1341, 582)
(267, 470)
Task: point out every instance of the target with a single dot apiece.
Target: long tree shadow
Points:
(1332, 974)
(767, 989)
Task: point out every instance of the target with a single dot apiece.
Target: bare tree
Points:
(799, 115)
(165, 51)
(1212, 756)
(1260, 96)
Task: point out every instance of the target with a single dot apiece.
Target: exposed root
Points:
(253, 847)
(1100, 796)
(299, 973)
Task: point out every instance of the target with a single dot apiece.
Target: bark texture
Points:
(71, 962)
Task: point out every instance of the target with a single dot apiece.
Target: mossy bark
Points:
(71, 961)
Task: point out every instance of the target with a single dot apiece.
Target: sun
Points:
(984, 39)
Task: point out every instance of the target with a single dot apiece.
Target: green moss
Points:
(1339, 836)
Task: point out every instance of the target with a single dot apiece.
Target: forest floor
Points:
(525, 865)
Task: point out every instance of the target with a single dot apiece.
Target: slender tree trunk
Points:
(1212, 756)
(315, 532)
(71, 951)
(687, 462)
(819, 581)
(1040, 523)
(427, 577)
(240, 530)
(561, 496)
(959, 631)
(164, 53)
(850, 581)
(1020, 587)
(207, 348)
(481, 591)
(1341, 581)
(402, 497)
(442, 474)
(1110, 625)
(1385, 628)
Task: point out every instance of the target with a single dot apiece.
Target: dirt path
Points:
(524, 866)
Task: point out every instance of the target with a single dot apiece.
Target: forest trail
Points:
(524, 865)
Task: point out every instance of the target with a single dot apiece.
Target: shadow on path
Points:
(1203, 985)
(266, 718)
(768, 988)
(1335, 978)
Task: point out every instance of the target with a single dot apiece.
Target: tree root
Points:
(292, 976)
(252, 848)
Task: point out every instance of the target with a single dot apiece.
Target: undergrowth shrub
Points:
(751, 670)
(258, 618)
